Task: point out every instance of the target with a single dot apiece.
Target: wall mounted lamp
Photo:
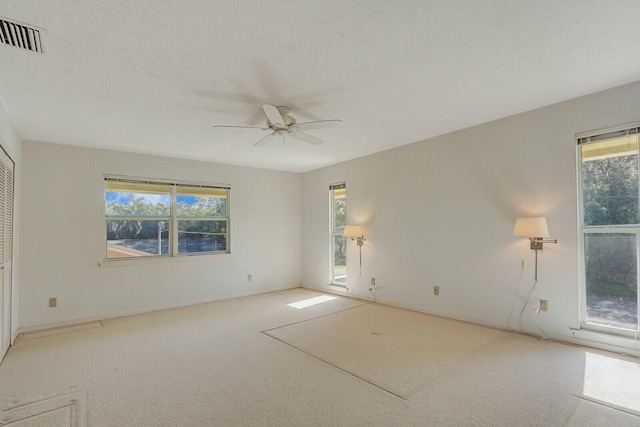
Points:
(537, 231)
(355, 233)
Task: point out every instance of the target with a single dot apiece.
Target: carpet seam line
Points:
(314, 318)
(606, 405)
(461, 360)
(351, 374)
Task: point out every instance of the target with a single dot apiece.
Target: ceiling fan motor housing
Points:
(288, 120)
(280, 123)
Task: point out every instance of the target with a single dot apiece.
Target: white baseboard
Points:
(41, 327)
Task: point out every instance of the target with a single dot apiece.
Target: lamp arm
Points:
(360, 240)
(543, 240)
(536, 242)
(536, 245)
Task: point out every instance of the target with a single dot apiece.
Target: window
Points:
(145, 218)
(338, 219)
(610, 208)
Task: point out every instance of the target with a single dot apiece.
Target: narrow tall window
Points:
(165, 219)
(610, 208)
(338, 215)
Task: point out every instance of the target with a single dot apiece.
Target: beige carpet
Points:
(68, 410)
(353, 364)
(399, 351)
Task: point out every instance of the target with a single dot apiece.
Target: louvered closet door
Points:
(6, 248)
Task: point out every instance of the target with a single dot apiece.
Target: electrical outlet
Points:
(436, 290)
(544, 305)
(53, 302)
(523, 263)
(372, 282)
(249, 277)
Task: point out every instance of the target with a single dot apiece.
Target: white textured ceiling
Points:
(153, 76)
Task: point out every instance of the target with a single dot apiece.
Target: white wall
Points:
(63, 237)
(12, 144)
(442, 211)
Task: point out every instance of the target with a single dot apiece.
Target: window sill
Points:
(624, 342)
(109, 263)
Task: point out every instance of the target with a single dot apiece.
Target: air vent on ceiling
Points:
(20, 35)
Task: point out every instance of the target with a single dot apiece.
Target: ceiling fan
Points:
(280, 123)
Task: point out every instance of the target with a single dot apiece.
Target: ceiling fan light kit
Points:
(280, 123)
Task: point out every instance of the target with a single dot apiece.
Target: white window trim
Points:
(160, 259)
(173, 218)
(582, 229)
(332, 235)
(625, 229)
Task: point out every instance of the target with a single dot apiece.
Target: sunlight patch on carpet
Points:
(397, 350)
(612, 381)
(309, 302)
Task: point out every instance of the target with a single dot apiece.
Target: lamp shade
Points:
(352, 231)
(531, 227)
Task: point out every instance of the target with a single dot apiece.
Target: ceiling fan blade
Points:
(306, 138)
(273, 115)
(265, 139)
(318, 124)
(240, 127)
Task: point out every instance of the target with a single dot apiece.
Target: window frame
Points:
(584, 230)
(173, 219)
(333, 234)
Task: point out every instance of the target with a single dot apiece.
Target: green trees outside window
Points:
(338, 193)
(611, 219)
(153, 219)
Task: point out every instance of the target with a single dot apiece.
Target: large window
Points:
(610, 229)
(338, 215)
(147, 219)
